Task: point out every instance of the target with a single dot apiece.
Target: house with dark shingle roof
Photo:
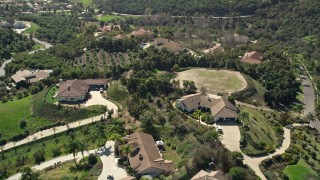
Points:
(77, 90)
(221, 109)
(145, 158)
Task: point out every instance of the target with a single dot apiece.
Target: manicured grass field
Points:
(300, 171)
(260, 131)
(84, 2)
(109, 17)
(216, 81)
(50, 94)
(118, 93)
(13, 112)
(34, 27)
(64, 172)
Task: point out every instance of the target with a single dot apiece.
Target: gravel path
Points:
(106, 154)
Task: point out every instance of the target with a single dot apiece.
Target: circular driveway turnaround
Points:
(231, 139)
(97, 99)
(106, 154)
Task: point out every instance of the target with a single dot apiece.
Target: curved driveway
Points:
(231, 139)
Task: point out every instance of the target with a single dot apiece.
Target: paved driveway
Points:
(231, 139)
(106, 154)
(110, 164)
(98, 99)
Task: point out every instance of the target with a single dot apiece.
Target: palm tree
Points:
(73, 147)
(126, 149)
(117, 139)
(311, 117)
(82, 147)
(298, 108)
(93, 137)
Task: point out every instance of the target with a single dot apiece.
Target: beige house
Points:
(252, 57)
(145, 159)
(30, 76)
(213, 175)
(77, 90)
(168, 44)
(221, 109)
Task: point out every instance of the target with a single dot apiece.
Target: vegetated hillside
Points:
(55, 28)
(186, 7)
(295, 23)
(12, 42)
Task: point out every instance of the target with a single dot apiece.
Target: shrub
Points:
(92, 159)
(23, 124)
(56, 152)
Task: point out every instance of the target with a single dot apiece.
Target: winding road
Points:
(3, 65)
(195, 17)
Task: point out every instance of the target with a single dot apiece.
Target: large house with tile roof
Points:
(77, 90)
(221, 109)
(213, 175)
(145, 158)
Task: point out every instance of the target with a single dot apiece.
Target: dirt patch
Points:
(216, 81)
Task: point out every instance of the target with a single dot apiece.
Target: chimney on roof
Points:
(68, 87)
(140, 157)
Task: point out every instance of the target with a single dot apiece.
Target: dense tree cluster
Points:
(55, 28)
(12, 42)
(185, 7)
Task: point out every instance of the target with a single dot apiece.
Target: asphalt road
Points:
(309, 99)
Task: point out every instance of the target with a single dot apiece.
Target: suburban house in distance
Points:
(77, 90)
(213, 175)
(30, 76)
(221, 109)
(145, 159)
(168, 44)
(146, 34)
(252, 57)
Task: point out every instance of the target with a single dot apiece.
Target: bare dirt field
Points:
(215, 81)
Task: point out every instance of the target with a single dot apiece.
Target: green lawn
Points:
(109, 17)
(300, 171)
(259, 132)
(50, 94)
(84, 2)
(13, 112)
(64, 171)
(118, 93)
(34, 27)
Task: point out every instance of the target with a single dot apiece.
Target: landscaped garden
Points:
(260, 131)
(215, 81)
(74, 140)
(34, 27)
(51, 92)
